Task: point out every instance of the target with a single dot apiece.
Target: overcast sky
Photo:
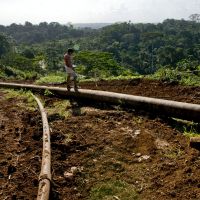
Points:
(86, 11)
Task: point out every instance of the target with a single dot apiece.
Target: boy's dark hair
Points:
(70, 51)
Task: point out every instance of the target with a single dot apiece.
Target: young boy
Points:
(70, 69)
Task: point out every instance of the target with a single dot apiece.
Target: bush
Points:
(13, 73)
(96, 64)
(52, 78)
(175, 75)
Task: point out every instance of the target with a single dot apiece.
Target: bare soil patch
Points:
(98, 152)
(149, 88)
(104, 145)
(20, 150)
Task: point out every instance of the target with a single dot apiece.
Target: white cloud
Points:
(64, 11)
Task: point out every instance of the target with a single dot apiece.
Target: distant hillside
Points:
(30, 33)
(144, 48)
(38, 33)
(91, 25)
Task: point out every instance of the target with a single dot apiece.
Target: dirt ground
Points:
(139, 87)
(148, 88)
(100, 151)
(106, 145)
(20, 150)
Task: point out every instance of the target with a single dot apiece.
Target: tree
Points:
(28, 53)
(150, 39)
(52, 57)
(28, 24)
(4, 45)
(99, 64)
(195, 17)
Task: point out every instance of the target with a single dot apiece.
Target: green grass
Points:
(163, 74)
(52, 78)
(61, 107)
(61, 77)
(14, 73)
(48, 93)
(173, 153)
(112, 78)
(26, 96)
(2, 73)
(191, 80)
(68, 138)
(175, 75)
(188, 128)
(112, 190)
(167, 75)
(192, 132)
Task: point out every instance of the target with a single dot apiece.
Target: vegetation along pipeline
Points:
(155, 106)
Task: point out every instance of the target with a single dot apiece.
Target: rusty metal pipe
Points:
(175, 109)
(45, 174)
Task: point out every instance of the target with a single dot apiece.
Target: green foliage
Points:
(187, 65)
(52, 57)
(4, 45)
(99, 64)
(190, 79)
(167, 74)
(118, 49)
(28, 53)
(26, 96)
(48, 93)
(113, 78)
(16, 60)
(188, 128)
(191, 133)
(14, 73)
(52, 78)
(173, 153)
(148, 47)
(195, 17)
(175, 75)
(30, 34)
(16, 65)
(60, 108)
(113, 190)
(2, 72)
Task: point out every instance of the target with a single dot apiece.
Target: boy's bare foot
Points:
(68, 87)
(76, 89)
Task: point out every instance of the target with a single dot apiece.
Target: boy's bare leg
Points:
(68, 83)
(75, 85)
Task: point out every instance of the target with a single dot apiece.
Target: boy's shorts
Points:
(71, 72)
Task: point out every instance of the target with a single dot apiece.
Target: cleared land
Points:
(100, 151)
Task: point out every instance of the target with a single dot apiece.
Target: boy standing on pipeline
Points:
(70, 70)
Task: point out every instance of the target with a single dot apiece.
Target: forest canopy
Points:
(114, 49)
